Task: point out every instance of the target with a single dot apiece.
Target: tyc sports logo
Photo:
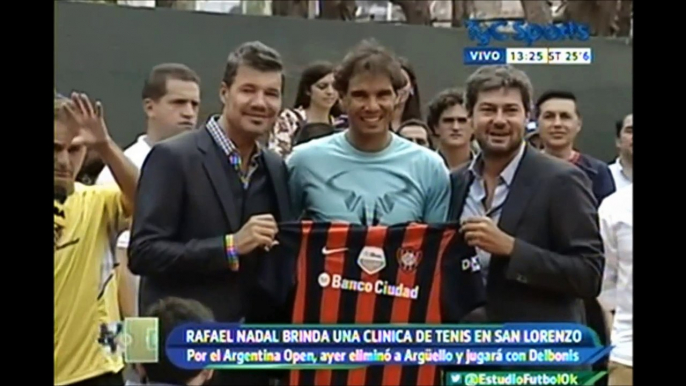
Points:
(528, 33)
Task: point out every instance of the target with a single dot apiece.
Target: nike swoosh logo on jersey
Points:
(326, 251)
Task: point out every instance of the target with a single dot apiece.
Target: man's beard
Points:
(487, 151)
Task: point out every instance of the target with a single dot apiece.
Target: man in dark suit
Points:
(559, 122)
(531, 217)
(209, 201)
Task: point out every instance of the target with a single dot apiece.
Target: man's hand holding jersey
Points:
(483, 233)
(258, 232)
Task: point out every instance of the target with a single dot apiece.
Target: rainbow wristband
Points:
(231, 253)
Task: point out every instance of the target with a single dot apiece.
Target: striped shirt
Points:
(231, 151)
(352, 274)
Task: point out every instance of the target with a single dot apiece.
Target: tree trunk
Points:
(560, 12)
(338, 9)
(579, 12)
(605, 16)
(537, 11)
(294, 8)
(462, 10)
(188, 5)
(598, 14)
(624, 17)
(417, 12)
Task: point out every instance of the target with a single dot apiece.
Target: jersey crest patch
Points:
(408, 259)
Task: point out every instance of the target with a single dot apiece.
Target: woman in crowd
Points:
(316, 102)
(409, 103)
(416, 131)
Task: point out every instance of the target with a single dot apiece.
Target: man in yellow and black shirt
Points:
(85, 218)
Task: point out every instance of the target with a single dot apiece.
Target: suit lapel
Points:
(460, 182)
(274, 166)
(519, 194)
(217, 169)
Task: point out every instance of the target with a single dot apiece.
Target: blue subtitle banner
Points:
(484, 33)
(350, 357)
(331, 346)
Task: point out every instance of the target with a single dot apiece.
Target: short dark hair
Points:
(91, 169)
(494, 77)
(310, 75)
(310, 131)
(618, 127)
(172, 312)
(556, 94)
(368, 56)
(416, 122)
(256, 55)
(155, 86)
(441, 102)
(413, 122)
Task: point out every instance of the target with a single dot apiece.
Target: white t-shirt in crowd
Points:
(137, 153)
(617, 230)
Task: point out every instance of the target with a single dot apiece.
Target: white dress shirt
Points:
(474, 205)
(619, 175)
(616, 228)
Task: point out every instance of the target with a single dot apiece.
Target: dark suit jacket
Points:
(184, 209)
(558, 256)
(599, 173)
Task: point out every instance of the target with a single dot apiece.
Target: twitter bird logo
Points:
(454, 379)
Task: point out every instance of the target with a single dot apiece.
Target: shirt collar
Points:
(220, 136)
(622, 169)
(143, 141)
(507, 175)
(574, 157)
